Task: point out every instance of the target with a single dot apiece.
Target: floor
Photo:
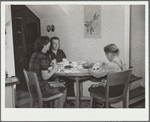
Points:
(23, 102)
(85, 104)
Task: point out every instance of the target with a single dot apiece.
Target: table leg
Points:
(81, 89)
(78, 92)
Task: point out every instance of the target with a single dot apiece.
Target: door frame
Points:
(127, 49)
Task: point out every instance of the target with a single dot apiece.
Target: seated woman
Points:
(56, 53)
(40, 64)
(114, 65)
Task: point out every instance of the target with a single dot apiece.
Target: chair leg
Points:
(51, 104)
(61, 103)
(124, 104)
(56, 103)
(31, 103)
(106, 105)
(91, 101)
(40, 104)
(64, 98)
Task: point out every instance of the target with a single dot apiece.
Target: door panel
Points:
(26, 29)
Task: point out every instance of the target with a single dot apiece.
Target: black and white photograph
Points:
(65, 59)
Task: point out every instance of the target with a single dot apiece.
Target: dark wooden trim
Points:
(11, 83)
(134, 78)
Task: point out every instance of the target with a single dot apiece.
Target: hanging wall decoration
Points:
(50, 28)
(92, 21)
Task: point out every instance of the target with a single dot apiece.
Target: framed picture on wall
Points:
(92, 21)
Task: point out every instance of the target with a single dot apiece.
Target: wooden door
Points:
(26, 29)
(19, 49)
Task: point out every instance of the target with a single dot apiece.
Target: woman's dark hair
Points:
(111, 48)
(40, 42)
(53, 38)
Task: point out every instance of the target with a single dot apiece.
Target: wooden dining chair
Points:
(35, 91)
(113, 79)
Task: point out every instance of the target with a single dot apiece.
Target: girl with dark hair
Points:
(40, 64)
(114, 65)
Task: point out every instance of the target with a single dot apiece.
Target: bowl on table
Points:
(68, 67)
(74, 64)
(60, 63)
(87, 65)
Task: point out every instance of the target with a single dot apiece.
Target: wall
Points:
(138, 41)
(70, 30)
(9, 49)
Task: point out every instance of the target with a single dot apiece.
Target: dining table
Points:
(78, 75)
(82, 74)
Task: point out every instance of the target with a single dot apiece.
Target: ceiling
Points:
(46, 11)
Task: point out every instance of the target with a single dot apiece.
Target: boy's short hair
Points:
(56, 38)
(111, 48)
(40, 42)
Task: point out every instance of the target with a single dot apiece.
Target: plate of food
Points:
(87, 65)
(60, 63)
(68, 67)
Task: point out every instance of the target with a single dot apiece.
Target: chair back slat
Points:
(26, 78)
(118, 78)
(27, 81)
(35, 91)
(115, 79)
(33, 85)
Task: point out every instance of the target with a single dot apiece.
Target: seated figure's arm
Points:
(102, 71)
(45, 72)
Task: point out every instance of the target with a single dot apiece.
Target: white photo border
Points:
(43, 114)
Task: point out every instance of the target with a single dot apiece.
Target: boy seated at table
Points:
(55, 53)
(100, 72)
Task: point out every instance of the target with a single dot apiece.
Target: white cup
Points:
(66, 63)
(74, 64)
(64, 59)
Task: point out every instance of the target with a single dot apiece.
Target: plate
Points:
(68, 67)
(60, 63)
(87, 65)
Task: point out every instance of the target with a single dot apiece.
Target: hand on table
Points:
(55, 67)
(50, 68)
(57, 84)
(53, 62)
(96, 85)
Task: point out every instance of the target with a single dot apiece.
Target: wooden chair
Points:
(35, 91)
(114, 79)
